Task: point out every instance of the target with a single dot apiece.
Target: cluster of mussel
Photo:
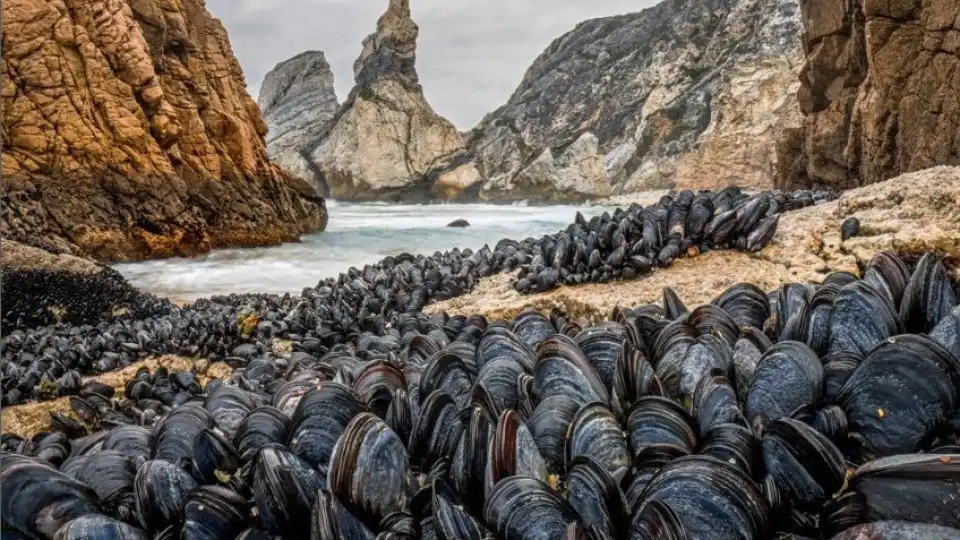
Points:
(817, 411)
(49, 362)
(631, 242)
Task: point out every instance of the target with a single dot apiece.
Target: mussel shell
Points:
(532, 328)
(94, 527)
(595, 433)
(861, 318)
(596, 496)
(173, 436)
(549, 425)
(111, 474)
(521, 508)
(213, 512)
(715, 402)
(898, 530)
(331, 521)
(513, 451)
(284, 488)
(928, 297)
(712, 499)
(912, 487)
(659, 429)
(369, 469)
(437, 430)
(262, 426)
(159, 490)
(319, 421)
(562, 369)
(36, 499)
(788, 377)
(806, 467)
(746, 304)
(899, 394)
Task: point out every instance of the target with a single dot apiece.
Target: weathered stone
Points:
(687, 93)
(880, 91)
(128, 133)
(386, 142)
(298, 100)
(41, 288)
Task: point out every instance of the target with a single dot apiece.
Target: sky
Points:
(471, 54)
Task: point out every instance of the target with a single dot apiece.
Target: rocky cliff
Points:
(298, 100)
(386, 142)
(128, 133)
(688, 93)
(880, 91)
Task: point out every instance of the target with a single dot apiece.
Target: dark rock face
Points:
(880, 92)
(298, 100)
(40, 288)
(128, 134)
(688, 93)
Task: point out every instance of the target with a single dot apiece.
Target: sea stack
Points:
(386, 142)
(298, 100)
(128, 133)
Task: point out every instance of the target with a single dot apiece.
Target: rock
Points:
(687, 93)
(41, 288)
(459, 223)
(128, 134)
(386, 142)
(911, 214)
(298, 100)
(880, 92)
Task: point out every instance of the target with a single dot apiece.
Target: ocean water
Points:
(357, 234)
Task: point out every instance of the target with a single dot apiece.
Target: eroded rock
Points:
(688, 93)
(880, 92)
(386, 142)
(128, 133)
(298, 100)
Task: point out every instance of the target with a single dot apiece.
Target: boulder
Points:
(459, 223)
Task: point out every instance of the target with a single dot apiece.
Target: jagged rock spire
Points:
(391, 51)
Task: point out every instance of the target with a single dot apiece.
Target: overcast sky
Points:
(471, 55)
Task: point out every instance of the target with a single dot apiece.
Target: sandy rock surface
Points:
(914, 213)
(26, 420)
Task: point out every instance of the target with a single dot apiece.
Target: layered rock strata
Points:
(880, 92)
(386, 142)
(688, 93)
(41, 288)
(298, 100)
(128, 133)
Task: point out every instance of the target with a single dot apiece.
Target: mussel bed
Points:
(827, 410)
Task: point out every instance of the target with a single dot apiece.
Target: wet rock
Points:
(459, 223)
